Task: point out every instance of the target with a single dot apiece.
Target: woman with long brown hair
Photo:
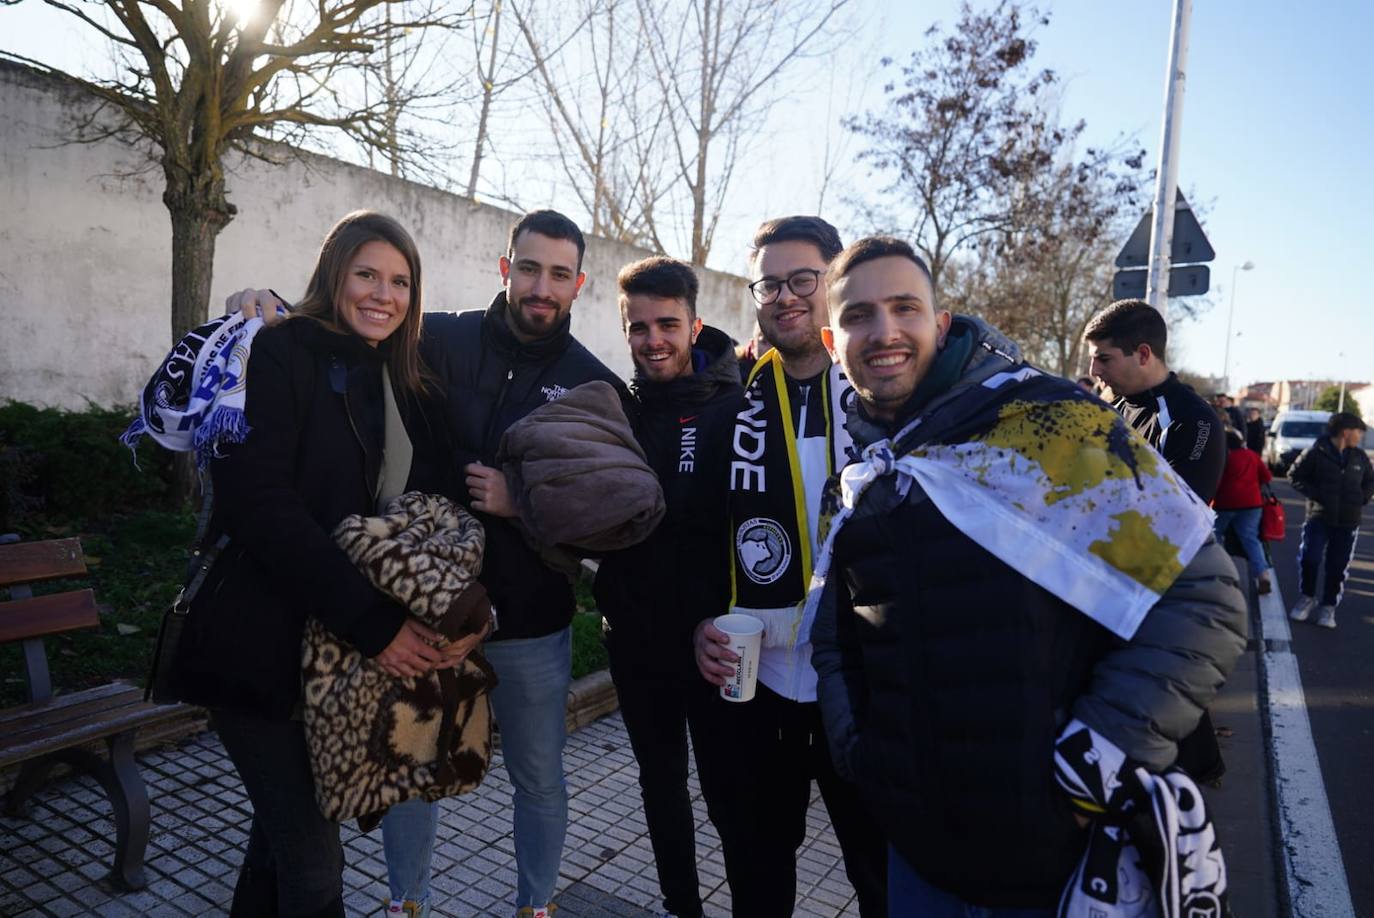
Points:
(340, 419)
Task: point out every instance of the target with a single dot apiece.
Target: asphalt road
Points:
(1337, 669)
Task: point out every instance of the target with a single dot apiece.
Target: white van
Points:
(1290, 434)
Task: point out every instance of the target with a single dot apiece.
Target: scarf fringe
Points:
(131, 437)
(225, 425)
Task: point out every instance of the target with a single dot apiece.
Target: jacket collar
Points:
(1150, 397)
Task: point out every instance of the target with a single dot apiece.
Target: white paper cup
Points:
(746, 637)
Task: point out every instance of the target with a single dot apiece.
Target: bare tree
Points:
(962, 133)
(606, 128)
(1043, 275)
(197, 82)
(409, 71)
(718, 64)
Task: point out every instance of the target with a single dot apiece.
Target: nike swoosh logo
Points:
(687, 420)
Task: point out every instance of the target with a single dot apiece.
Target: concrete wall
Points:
(85, 285)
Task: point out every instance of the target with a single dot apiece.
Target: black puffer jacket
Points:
(653, 594)
(1336, 483)
(314, 409)
(946, 676)
(490, 381)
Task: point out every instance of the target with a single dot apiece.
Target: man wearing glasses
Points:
(788, 439)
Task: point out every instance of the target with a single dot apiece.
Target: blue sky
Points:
(1277, 144)
(1277, 138)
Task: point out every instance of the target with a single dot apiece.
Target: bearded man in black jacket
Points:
(686, 390)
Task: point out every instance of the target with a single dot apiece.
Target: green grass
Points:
(136, 563)
(588, 650)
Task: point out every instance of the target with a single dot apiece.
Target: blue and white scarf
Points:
(195, 400)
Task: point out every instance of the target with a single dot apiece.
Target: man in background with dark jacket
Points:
(953, 645)
(686, 390)
(1127, 342)
(1335, 476)
(1254, 430)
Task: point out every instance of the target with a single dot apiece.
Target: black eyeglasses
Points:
(802, 282)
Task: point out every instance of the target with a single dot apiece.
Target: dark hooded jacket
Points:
(946, 676)
(490, 380)
(655, 593)
(1336, 483)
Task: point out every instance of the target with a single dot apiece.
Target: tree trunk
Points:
(195, 225)
(194, 231)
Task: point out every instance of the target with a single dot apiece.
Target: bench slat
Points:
(82, 730)
(44, 615)
(68, 707)
(29, 562)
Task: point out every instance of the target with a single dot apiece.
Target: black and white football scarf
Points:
(772, 521)
(1152, 850)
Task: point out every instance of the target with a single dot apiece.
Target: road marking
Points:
(1312, 864)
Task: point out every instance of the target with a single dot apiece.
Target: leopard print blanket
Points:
(376, 740)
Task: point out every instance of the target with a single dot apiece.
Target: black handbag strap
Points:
(203, 556)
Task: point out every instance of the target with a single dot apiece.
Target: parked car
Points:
(1290, 434)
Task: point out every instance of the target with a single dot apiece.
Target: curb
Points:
(591, 698)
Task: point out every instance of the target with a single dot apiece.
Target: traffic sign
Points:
(1185, 280)
(1189, 245)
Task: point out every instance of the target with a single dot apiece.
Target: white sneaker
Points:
(1303, 609)
(1326, 616)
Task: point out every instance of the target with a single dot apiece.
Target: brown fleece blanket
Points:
(578, 476)
(376, 740)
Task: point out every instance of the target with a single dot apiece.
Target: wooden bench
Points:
(58, 729)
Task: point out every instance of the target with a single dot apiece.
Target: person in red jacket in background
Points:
(1238, 503)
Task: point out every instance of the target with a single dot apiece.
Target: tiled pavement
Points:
(54, 861)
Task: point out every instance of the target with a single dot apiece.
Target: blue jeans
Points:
(1246, 523)
(908, 894)
(531, 703)
(408, 841)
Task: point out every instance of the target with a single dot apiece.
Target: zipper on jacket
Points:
(353, 425)
(487, 449)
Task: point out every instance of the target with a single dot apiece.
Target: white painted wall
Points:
(85, 286)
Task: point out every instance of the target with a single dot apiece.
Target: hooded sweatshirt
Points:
(655, 593)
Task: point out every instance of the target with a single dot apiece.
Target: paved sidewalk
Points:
(54, 862)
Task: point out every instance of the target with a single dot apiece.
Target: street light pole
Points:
(1230, 314)
(1166, 180)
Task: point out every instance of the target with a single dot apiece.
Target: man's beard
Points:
(801, 348)
(533, 329)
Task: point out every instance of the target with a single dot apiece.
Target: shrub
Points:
(69, 465)
(588, 650)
